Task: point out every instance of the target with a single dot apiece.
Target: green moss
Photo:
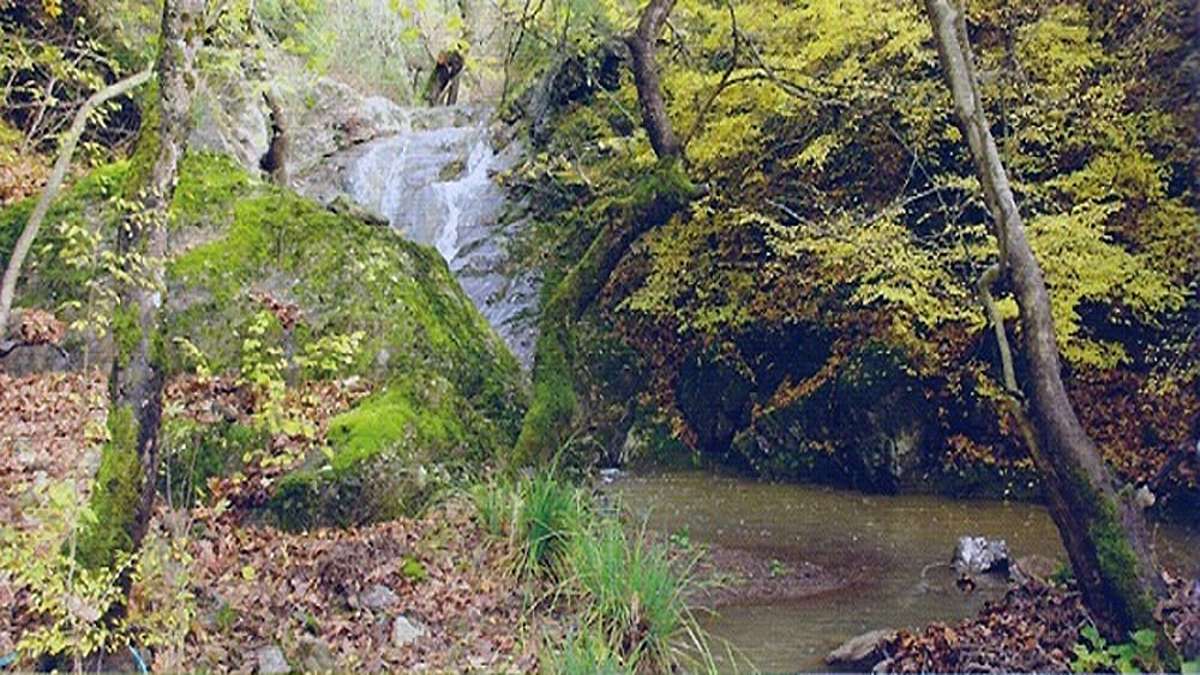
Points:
(149, 144)
(384, 451)
(116, 495)
(453, 390)
(126, 332)
(655, 198)
(1119, 565)
(46, 280)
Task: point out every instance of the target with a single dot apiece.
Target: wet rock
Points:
(378, 597)
(861, 653)
(864, 427)
(978, 555)
(1037, 567)
(405, 631)
(270, 659)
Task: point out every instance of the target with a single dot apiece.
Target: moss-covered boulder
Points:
(449, 390)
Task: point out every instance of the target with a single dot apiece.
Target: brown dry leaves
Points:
(273, 588)
(48, 427)
(1031, 630)
(51, 425)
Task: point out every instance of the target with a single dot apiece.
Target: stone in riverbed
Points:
(861, 653)
(978, 555)
(1034, 567)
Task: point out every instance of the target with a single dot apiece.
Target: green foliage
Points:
(74, 598)
(539, 516)
(329, 355)
(1094, 654)
(586, 652)
(629, 592)
(193, 453)
(840, 192)
(635, 596)
(79, 602)
(262, 370)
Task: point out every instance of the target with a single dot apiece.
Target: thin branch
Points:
(725, 79)
(13, 272)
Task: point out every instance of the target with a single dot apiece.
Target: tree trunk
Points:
(125, 484)
(643, 47)
(1101, 530)
(12, 272)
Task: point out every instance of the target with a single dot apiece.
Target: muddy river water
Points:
(888, 548)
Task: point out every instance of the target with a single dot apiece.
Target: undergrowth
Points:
(626, 593)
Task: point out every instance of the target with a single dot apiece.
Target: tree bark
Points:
(123, 498)
(1102, 530)
(643, 47)
(16, 261)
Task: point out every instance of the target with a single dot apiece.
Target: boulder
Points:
(1035, 566)
(861, 653)
(314, 655)
(863, 426)
(979, 555)
(231, 119)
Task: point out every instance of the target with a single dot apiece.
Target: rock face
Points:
(447, 390)
(860, 654)
(864, 426)
(431, 173)
(977, 555)
(231, 120)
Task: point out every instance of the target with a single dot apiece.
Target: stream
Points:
(887, 547)
(434, 180)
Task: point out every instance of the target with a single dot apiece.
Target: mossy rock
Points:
(390, 455)
(234, 238)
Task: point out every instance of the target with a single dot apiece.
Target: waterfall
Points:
(434, 181)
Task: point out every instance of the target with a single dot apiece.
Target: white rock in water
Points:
(977, 555)
(405, 631)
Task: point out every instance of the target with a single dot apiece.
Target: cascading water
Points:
(434, 182)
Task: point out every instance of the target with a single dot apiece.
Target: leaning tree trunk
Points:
(660, 195)
(1101, 530)
(125, 484)
(643, 48)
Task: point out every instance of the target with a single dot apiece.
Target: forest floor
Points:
(435, 592)
(329, 598)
